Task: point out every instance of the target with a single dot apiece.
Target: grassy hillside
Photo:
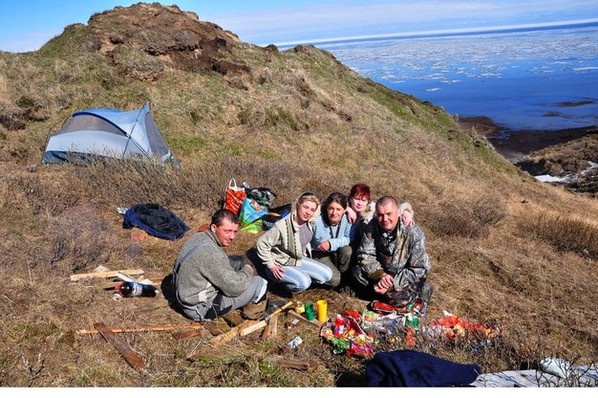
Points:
(505, 249)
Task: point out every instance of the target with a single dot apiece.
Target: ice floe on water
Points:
(514, 78)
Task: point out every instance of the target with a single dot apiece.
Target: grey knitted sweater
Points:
(203, 269)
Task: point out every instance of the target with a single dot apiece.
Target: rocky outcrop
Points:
(575, 161)
(144, 39)
(570, 154)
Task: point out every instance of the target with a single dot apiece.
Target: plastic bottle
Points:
(136, 289)
(339, 325)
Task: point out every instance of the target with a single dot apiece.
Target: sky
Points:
(27, 25)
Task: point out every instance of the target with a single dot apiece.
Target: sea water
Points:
(545, 79)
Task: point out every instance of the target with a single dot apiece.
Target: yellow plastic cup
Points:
(322, 310)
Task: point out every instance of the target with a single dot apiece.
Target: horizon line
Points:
(442, 32)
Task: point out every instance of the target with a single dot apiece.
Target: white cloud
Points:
(342, 19)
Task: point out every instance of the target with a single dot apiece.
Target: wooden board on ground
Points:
(231, 334)
(314, 323)
(264, 321)
(122, 347)
(187, 334)
(160, 328)
(106, 274)
(272, 329)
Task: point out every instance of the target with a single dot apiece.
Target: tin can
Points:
(296, 342)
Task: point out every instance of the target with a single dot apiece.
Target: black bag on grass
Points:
(275, 214)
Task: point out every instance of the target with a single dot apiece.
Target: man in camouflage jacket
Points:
(392, 259)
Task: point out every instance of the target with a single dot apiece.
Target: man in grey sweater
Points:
(208, 282)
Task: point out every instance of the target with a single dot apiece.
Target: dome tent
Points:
(108, 133)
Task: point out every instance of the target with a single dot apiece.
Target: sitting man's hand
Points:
(384, 283)
(380, 290)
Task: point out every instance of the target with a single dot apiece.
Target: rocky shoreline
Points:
(568, 156)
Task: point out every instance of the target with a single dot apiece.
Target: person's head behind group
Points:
(334, 207)
(387, 213)
(359, 197)
(225, 225)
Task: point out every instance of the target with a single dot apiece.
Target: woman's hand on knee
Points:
(277, 271)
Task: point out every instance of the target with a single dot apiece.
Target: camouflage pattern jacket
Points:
(401, 253)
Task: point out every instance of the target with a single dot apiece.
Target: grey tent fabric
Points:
(108, 133)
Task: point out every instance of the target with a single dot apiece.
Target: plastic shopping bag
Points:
(234, 196)
(251, 211)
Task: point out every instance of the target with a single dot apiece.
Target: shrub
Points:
(563, 233)
(468, 219)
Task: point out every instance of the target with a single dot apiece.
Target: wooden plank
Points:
(231, 334)
(161, 328)
(122, 347)
(262, 324)
(124, 277)
(272, 329)
(187, 334)
(258, 325)
(106, 274)
(314, 323)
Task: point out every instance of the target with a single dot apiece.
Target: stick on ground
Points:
(231, 334)
(161, 328)
(272, 329)
(289, 363)
(122, 347)
(314, 323)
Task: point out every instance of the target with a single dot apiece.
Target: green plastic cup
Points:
(309, 311)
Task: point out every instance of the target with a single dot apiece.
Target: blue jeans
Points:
(299, 278)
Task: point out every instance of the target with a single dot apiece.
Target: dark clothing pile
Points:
(408, 368)
(156, 220)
